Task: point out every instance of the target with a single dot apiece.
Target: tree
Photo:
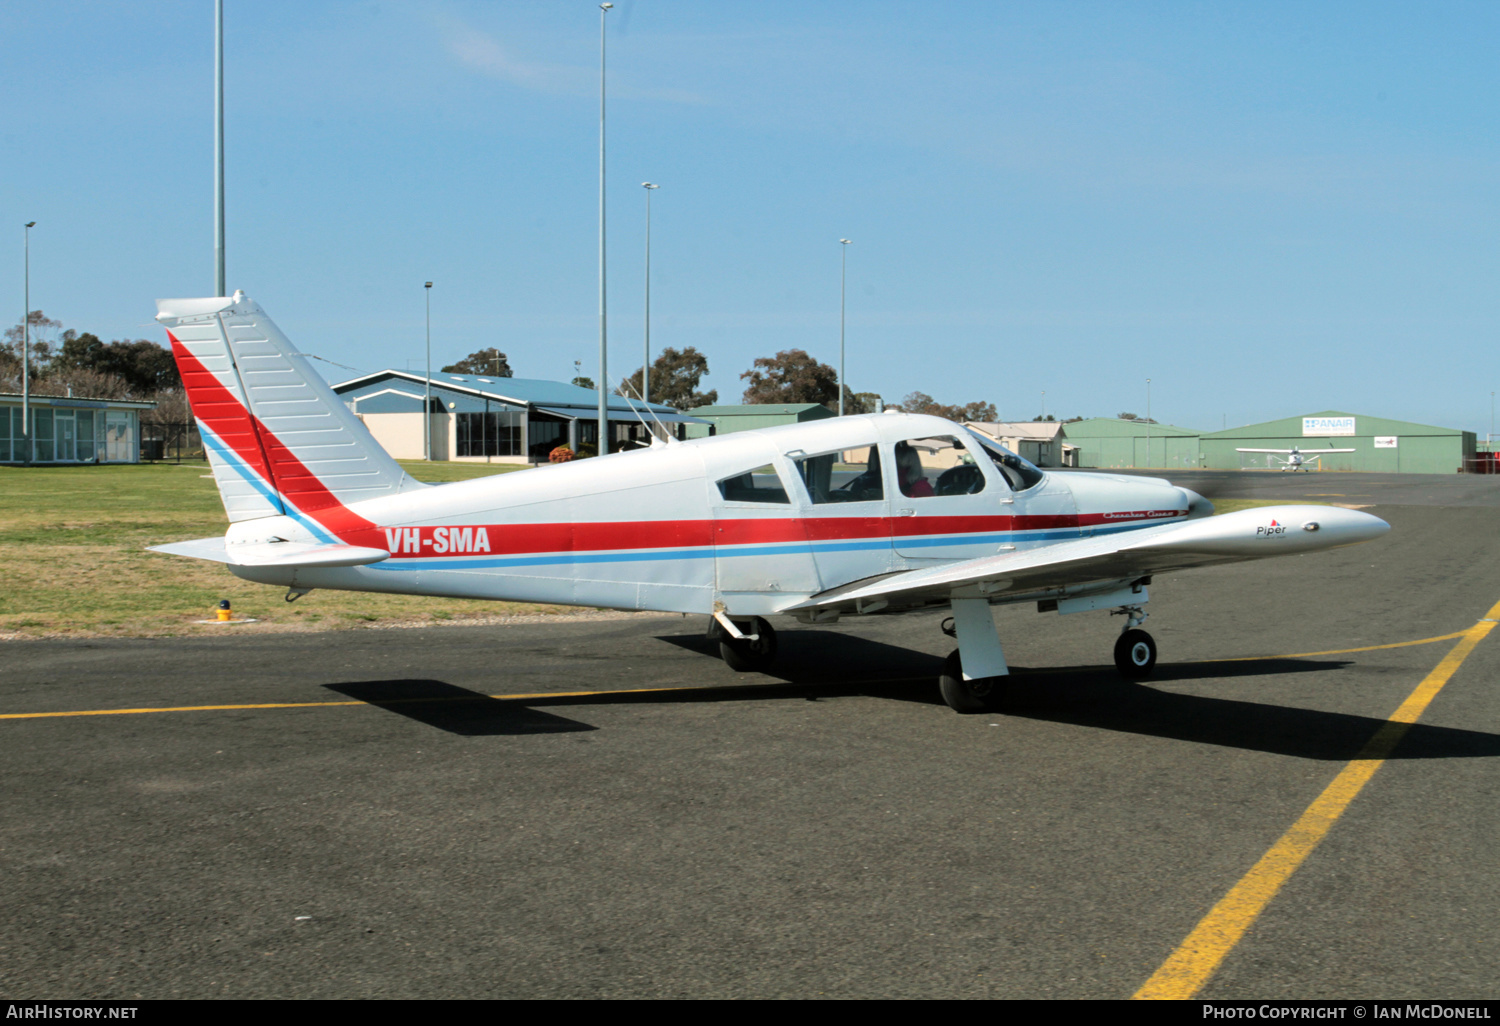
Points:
(42, 334)
(791, 376)
(921, 402)
(489, 362)
(83, 383)
(583, 382)
(145, 367)
(674, 380)
(1049, 419)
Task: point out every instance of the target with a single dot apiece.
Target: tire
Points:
(749, 656)
(968, 696)
(1135, 654)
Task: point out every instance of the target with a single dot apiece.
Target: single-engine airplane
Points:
(737, 527)
(1296, 459)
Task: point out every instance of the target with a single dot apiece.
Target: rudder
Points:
(275, 433)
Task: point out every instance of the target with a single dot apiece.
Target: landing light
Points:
(1311, 525)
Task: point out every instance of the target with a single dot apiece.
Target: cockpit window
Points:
(1020, 473)
(850, 476)
(939, 465)
(758, 485)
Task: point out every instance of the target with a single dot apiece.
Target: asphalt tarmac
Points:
(349, 814)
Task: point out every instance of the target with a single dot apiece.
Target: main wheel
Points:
(967, 696)
(745, 656)
(1135, 654)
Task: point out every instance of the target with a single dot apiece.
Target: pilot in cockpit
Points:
(909, 470)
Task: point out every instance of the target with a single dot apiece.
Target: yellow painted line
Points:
(1198, 957)
(435, 698)
(1340, 651)
(630, 691)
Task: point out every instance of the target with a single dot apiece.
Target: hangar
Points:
(723, 420)
(1108, 443)
(1380, 445)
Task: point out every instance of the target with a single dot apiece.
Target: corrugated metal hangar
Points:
(1380, 445)
(1109, 444)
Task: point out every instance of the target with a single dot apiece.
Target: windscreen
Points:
(1020, 473)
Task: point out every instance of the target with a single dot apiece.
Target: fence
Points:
(171, 443)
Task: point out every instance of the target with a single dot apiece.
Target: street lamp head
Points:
(650, 185)
(31, 224)
(846, 241)
(605, 7)
(428, 285)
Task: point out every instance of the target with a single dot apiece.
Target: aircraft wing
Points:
(1280, 452)
(1071, 567)
(274, 553)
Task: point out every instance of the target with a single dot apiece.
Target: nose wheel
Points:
(1135, 654)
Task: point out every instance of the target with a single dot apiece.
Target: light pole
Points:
(1044, 406)
(646, 366)
(219, 149)
(603, 444)
(26, 356)
(843, 263)
(1148, 422)
(427, 391)
(1491, 436)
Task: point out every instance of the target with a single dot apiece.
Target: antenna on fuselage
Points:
(655, 438)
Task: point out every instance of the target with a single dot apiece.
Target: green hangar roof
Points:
(1380, 444)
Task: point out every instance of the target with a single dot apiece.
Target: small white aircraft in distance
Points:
(737, 527)
(1296, 459)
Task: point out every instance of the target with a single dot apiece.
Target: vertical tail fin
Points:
(279, 440)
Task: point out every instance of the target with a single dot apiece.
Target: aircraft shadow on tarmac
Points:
(826, 664)
(457, 710)
(1095, 696)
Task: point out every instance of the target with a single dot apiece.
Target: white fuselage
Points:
(658, 529)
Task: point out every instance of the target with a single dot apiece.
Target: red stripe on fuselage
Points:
(523, 539)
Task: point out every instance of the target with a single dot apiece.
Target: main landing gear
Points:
(973, 677)
(1135, 652)
(748, 646)
(974, 681)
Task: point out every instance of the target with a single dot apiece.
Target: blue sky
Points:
(1268, 209)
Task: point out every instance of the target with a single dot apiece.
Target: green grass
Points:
(438, 473)
(74, 561)
(1222, 506)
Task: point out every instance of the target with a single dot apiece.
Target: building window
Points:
(46, 449)
(119, 438)
(488, 434)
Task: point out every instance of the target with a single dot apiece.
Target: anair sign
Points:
(1322, 426)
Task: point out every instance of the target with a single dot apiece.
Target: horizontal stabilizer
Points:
(274, 553)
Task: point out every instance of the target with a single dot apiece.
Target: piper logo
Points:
(1273, 529)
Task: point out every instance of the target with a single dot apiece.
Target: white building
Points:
(1043, 442)
(67, 430)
